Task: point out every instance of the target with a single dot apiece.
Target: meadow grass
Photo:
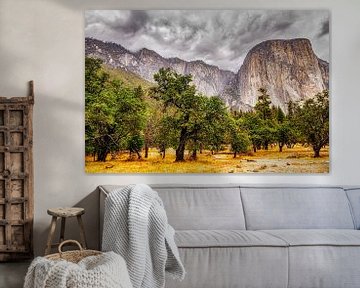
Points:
(295, 160)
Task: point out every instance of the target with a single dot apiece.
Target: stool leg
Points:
(62, 230)
(51, 235)
(82, 232)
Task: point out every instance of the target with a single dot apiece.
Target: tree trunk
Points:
(138, 154)
(194, 154)
(254, 148)
(180, 151)
(102, 154)
(281, 147)
(234, 154)
(146, 151)
(266, 146)
(316, 152)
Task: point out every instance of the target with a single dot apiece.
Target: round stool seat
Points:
(66, 211)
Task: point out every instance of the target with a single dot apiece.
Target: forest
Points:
(170, 122)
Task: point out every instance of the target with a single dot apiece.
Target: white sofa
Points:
(263, 237)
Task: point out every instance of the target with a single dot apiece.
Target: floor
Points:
(12, 274)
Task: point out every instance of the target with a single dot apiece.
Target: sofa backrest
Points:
(296, 208)
(240, 207)
(203, 207)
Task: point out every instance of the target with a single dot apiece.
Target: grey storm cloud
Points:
(218, 37)
(131, 24)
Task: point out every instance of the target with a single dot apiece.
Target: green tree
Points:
(113, 113)
(209, 126)
(252, 123)
(262, 106)
(95, 82)
(266, 133)
(283, 128)
(175, 91)
(95, 78)
(284, 134)
(291, 107)
(216, 124)
(196, 125)
(239, 140)
(267, 114)
(166, 134)
(135, 144)
(280, 115)
(312, 118)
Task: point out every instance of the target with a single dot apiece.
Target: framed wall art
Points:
(207, 91)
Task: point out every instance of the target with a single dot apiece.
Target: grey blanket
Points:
(136, 227)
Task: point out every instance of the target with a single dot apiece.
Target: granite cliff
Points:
(288, 69)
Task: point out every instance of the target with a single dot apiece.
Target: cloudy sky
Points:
(218, 37)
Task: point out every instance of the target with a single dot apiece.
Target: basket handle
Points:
(69, 241)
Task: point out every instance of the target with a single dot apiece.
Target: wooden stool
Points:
(64, 213)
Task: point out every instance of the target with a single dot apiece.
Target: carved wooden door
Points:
(16, 177)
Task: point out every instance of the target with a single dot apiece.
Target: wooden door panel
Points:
(16, 183)
(2, 116)
(16, 162)
(16, 118)
(17, 188)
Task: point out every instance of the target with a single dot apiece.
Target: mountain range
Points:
(288, 69)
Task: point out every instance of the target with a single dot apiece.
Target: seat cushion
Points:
(235, 267)
(322, 258)
(296, 208)
(324, 266)
(317, 237)
(225, 238)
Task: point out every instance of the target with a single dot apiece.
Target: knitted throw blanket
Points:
(136, 227)
(103, 271)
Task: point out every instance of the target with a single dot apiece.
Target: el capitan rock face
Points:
(288, 69)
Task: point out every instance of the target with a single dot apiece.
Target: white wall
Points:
(43, 40)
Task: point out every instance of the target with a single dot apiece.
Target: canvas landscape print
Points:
(207, 91)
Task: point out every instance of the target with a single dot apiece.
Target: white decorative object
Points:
(107, 270)
(136, 227)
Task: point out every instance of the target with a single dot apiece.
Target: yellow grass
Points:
(295, 160)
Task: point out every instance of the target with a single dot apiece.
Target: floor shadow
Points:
(12, 275)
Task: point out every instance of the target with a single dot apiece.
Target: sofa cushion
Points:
(322, 258)
(324, 266)
(226, 238)
(317, 237)
(204, 208)
(225, 267)
(296, 208)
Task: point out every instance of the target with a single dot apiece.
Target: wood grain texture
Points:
(16, 177)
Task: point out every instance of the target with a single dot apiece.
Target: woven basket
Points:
(72, 256)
